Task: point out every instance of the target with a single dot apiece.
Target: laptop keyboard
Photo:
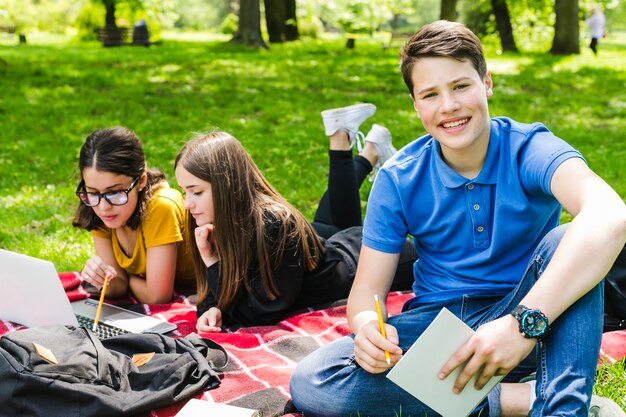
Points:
(103, 331)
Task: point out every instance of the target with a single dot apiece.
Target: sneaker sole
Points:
(356, 108)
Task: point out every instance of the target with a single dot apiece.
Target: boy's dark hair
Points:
(442, 39)
(119, 151)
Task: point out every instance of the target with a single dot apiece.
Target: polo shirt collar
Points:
(488, 174)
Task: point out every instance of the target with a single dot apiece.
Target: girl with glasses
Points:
(257, 258)
(136, 220)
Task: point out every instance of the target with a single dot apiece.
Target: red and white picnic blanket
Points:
(263, 358)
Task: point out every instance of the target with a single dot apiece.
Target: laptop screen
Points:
(32, 294)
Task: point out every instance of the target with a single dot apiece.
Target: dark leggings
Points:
(340, 206)
(340, 209)
(594, 45)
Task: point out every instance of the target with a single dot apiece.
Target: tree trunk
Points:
(280, 17)
(503, 23)
(249, 28)
(109, 19)
(448, 10)
(291, 23)
(275, 20)
(566, 29)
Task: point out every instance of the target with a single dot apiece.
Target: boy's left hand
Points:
(495, 349)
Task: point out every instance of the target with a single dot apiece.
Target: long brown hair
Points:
(243, 203)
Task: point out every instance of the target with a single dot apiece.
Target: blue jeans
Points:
(329, 382)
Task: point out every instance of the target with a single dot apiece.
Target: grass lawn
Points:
(53, 94)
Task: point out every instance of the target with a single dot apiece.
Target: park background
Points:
(263, 71)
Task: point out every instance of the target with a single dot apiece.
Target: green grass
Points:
(611, 382)
(52, 94)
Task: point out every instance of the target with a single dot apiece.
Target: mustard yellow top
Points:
(164, 222)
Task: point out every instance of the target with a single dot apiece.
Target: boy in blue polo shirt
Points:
(482, 199)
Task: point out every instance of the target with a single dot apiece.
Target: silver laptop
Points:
(31, 294)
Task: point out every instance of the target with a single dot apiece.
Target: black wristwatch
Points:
(533, 324)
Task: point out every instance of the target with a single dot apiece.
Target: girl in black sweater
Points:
(256, 256)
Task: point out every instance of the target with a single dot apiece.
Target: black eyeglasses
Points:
(115, 198)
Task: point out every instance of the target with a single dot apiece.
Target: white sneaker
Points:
(604, 407)
(348, 119)
(381, 138)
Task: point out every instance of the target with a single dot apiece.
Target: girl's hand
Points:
(370, 346)
(204, 239)
(95, 271)
(210, 321)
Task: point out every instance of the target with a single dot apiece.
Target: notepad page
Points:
(201, 408)
(417, 370)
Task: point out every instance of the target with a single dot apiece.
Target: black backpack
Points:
(99, 377)
(615, 295)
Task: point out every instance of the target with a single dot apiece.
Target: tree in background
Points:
(368, 16)
(281, 20)
(400, 10)
(208, 15)
(448, 10)
(110, 6)
(249, 25)
(566, 28)
(531, 25)
(503, 23)
(109, 17)
(39, 15)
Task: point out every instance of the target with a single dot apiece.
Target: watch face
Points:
(534, 323)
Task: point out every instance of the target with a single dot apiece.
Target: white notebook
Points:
(201, 408)
(417, 371)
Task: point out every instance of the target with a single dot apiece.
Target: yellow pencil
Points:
(99, 310)
(381, 324)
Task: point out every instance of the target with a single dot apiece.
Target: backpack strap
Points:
(208, 344)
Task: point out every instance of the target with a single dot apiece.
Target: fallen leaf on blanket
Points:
(141, 359)
(45, 353)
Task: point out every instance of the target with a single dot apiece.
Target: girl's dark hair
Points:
(442, 39)
(116, 150)
(244, 203)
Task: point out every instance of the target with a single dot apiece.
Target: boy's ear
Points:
(488, 84)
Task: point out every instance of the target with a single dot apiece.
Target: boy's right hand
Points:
(370, 346)
(210, 321)
(95, 271)
(204, 242)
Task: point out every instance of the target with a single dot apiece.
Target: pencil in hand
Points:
(99, 310)
(381, 324)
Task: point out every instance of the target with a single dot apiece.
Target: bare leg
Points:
(514, 400)
(339, 142)
(370, 152)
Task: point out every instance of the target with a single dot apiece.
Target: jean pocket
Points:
(479, 309)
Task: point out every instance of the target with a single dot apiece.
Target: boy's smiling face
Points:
(451, 100)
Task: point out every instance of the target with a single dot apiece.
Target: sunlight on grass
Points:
(194, 36)
(507, 66)
(45, 212)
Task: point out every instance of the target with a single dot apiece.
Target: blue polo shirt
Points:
(472, 236)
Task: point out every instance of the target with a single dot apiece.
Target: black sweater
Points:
(297, 287)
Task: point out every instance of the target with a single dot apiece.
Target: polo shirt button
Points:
(470, 187)
(476, 207)
(480, 229)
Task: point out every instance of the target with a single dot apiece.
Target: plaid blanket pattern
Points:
(263, 358)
